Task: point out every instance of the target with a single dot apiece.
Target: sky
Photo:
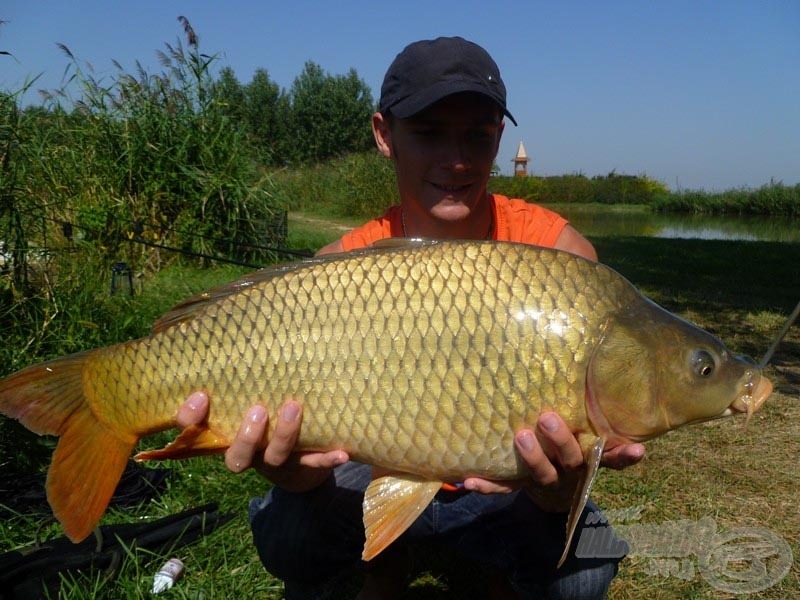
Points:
(696, 94)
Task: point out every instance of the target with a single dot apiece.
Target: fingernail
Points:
(196, 401)
(257, 414)
(526, 440)
(549, 423)
(290, 412)
(470, 485)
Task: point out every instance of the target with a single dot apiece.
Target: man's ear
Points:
(382, 133)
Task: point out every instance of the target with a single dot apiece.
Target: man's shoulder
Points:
(387, 225)
(525, 222)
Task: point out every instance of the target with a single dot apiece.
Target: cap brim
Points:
(410, 106)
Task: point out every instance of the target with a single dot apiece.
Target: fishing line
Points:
(780, 337)
(137, 228)
(137, 239)
(230, 261)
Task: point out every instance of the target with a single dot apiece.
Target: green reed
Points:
(116, 170)
(771, 199)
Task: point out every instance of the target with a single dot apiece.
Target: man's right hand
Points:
(278, 462)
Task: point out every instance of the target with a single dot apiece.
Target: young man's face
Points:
(443, 155)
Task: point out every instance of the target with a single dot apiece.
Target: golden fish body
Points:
(421, 360)
(424, 359)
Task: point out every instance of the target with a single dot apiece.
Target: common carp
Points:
(420, 357)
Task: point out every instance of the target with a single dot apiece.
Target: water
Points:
(593, 221)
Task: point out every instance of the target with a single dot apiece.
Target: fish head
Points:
(653, 371)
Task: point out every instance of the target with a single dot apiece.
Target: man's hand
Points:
(622, 456)
(278, 462)
(555, 462)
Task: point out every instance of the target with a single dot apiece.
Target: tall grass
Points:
(155, 156)
(770, 199)
(109, 171)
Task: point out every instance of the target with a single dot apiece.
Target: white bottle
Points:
(168, 575)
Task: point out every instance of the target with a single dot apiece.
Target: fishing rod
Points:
(780, 337)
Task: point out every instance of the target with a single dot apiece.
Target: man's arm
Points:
(572, 241)
(332, 248)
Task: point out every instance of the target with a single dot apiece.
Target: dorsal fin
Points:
(400, 242)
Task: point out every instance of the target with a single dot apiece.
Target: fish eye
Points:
(703, 363)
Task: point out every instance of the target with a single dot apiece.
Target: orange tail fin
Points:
(88, 462)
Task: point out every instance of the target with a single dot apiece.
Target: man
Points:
(440, 121)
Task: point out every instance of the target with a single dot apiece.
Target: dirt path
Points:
(321, 222)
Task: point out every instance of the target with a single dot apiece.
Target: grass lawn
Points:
(719, 473)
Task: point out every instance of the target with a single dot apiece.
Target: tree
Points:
(265, 115)
(330, 114)
(230, 96)
(321, 117)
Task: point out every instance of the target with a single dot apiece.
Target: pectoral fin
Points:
(593, 455)
(196, 440)
(391, 504)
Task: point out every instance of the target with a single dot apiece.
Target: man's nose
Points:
(456, 154)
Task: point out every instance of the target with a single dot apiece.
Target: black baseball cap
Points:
(428, 70)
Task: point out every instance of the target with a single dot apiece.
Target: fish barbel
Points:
(423, 358)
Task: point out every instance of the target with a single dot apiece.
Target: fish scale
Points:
(424, 358)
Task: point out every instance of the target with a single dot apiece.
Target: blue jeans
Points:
(314, 540)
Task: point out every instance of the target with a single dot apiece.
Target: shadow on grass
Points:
(704, 274)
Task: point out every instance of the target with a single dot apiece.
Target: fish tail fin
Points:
(90, 458)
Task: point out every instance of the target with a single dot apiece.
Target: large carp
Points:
(422, 358)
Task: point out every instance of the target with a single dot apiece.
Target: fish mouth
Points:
(753, 398)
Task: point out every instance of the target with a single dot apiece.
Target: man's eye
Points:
(480, 136)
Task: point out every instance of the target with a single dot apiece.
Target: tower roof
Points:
(521, 154)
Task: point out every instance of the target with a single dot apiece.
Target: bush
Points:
(577, 188)
(357, 185)
(771, 199)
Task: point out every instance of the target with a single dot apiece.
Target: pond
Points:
(639, 222)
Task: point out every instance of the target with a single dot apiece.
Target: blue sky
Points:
(697, 94)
